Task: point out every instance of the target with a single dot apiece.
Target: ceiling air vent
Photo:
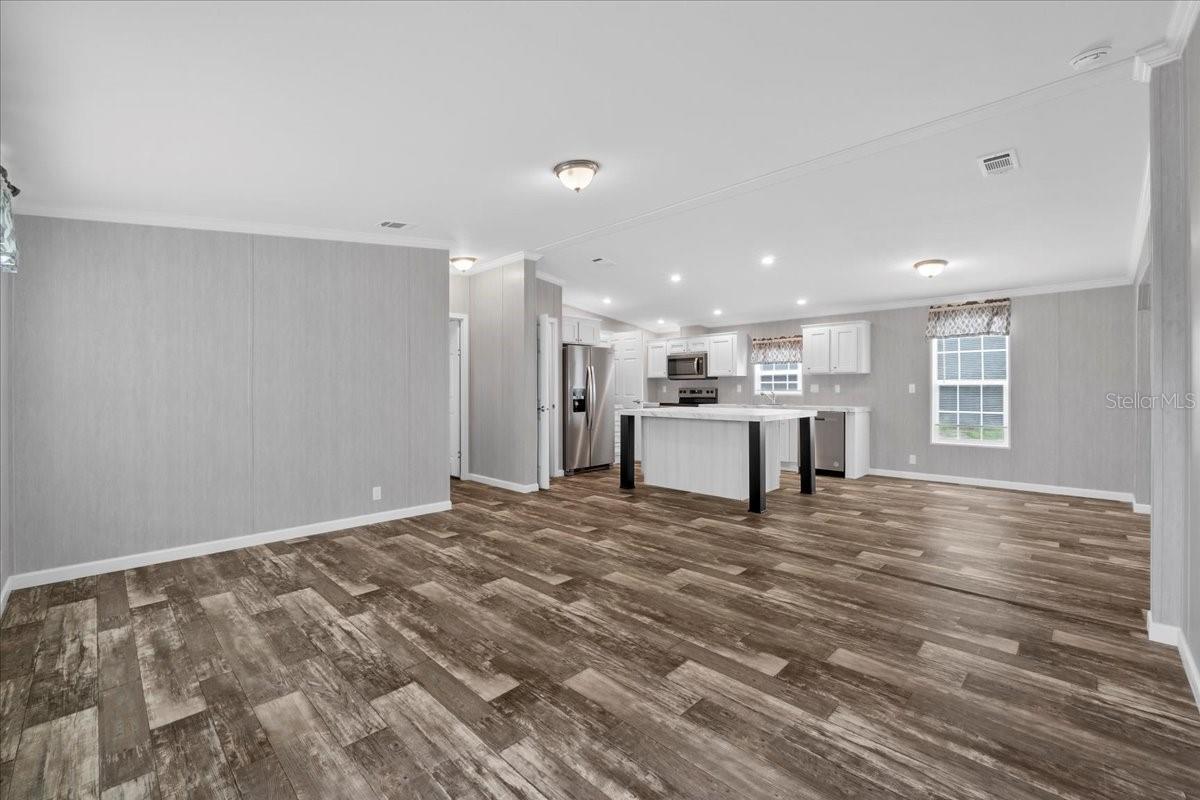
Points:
(394, 225)
(999, 163)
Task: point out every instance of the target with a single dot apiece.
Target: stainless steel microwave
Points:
(687, 366)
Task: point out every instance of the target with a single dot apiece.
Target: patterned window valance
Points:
(777, 350)
(982, 318)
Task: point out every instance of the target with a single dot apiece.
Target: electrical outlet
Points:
(837, 388)
(814, 387)
(912, 458)
(662, 390)
(377, 493)
(739, 388)
(912, 388)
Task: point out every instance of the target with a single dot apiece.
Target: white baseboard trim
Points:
(1141, 508)
(1042, 488)
(1160, 632)
(558, 473)
(524, 488)
(1190, 667)
(71, 571)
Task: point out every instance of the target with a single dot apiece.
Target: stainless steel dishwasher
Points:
(829, 442)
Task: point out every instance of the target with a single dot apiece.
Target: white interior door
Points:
(455, 398)
(544, 399)
(629, 378)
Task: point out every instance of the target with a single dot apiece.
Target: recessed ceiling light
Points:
(801, 301)
(768, 260)
(462, 263)
(930, 267)
(662, 322)
(716, 312)
(676, 278)
(576, 174)
(607, 301)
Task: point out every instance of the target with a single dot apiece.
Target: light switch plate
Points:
(912, 459)
(377, 493)
(837, 388)
(912, 388)
(814, 387)
(739, 388)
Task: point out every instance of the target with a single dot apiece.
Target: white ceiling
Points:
(327, 118)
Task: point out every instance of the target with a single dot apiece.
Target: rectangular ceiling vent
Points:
(999, 163)
(393, 225)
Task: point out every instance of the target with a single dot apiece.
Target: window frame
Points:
(756, 388)
(935, 396)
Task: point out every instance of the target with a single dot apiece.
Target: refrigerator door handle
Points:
(587, 397)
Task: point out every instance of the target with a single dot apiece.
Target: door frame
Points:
(556, 468)
(464, 393)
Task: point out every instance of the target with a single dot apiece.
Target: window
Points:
(779, 377)
(970, 391)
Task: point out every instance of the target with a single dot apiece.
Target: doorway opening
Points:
(459, 395)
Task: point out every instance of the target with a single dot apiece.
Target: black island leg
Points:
(627, 434)
(808, 468)
(758, 467)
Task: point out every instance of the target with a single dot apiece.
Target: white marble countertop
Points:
(846, 409)
(719, 413)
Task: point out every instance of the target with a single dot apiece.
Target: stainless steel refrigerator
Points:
(587, 407)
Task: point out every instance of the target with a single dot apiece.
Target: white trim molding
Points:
(1190, 667)
(1141, 230)
(511, 258)
(70, 571)
(464, 393)
(523, 488)
(1160, 632)
(1017, 486)
(235, 226)
(1179, 29)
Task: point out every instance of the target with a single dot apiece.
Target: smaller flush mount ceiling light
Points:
(716, 312)
(676, 278)
(662, 322)
(801, 301)
(607, 301)
(576, 174)
(930, 267)
(768, 260)
(462, 263)
(1090, 58)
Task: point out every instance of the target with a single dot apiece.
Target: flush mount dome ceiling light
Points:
(577, 174)
(930, 267)
(462, 263)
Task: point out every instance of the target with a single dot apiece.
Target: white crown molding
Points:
(1141, 229)
(1175, 39)
(557, 281)
(511, 258)
(1117, 71)
(234, 226)
(834, 311)
(71, 571)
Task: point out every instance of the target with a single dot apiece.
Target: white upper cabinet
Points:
(697, 344)
(578, 330)
(727, 354)
(843, 348)
(656, 360)
(816, 350)
(675, 346)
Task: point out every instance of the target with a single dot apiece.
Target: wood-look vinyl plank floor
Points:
(882, 638)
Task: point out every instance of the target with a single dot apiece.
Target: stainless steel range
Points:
(699, 396)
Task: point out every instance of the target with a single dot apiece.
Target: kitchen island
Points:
(716, 450)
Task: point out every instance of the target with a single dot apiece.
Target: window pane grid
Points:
(970, 376)
(778, 377)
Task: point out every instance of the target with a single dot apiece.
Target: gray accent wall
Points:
(1170, 334)
(1191, 230)
(6, 553)
(1068, 350)
(503, 363)
(171, 386)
